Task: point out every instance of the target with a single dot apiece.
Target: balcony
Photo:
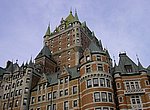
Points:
(134, 91)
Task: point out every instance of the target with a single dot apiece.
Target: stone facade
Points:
(74, 72)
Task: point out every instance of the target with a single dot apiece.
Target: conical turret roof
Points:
(48, 32)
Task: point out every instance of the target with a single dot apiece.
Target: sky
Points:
(122, 25)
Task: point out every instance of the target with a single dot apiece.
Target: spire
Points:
(48, 32)
(71, 10)
(76, 16)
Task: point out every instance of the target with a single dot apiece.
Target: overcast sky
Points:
(122, 25)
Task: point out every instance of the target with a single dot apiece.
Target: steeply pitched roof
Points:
(124, 61)
(48, 32)
(44, 52)
(76, 16)
(94, 48)
(70, 18)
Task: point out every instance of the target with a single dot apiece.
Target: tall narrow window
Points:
(95, 82)
(74, 89)
(88, 58)
(75, 103)
(100, 67)
(108, 82)
(49, 107)
(104, 96)
(54, 107)
(97, 97)
(66, 105)
(88, 68)
(66, 92)
(102, 82)
(54, 94)
(110, 97)
(25, 101)
(128, 68)
(98, 58)
(89, 83)
(49, 96)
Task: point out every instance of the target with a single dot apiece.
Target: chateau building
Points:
(74, 72)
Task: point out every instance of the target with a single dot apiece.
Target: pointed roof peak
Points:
(48, 32)
(76, 16)
(44, 52)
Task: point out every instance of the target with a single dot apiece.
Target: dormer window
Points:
(88, 58)
(128, 68)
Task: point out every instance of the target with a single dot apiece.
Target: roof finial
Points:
(76, 16)
(137, 58)
(114, 60)
(71, 10)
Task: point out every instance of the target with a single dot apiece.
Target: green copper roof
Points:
(48, 31)
(70, 18)
(44, 52)
(76, 16)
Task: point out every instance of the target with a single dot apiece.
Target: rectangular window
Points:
(128, 68)
(99, 108)
(49, 96)
(66, 105)
(98, 58)
(43, 97)
(95, 82)
(89, 83)
(32, 100)
(102, 82)
(27, 80)
(61, 93)
(104, 97)
(49, 107)
(110, 97)
(66, 80)
(100, 67)
(108, 82)
(88, 68)
(54, 95)
(25, 101)
(54, 107)
(16, 103)
(26, 91)
(105, 108)
(39, 98)
(61, 81)
(75, 104)
(74, 89)
(135, 100)
(97, 97)
(66, 92)
(88, 58)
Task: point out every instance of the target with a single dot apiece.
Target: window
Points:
(54, 107)
(102, 82)
(39, 98)
(66, 80)
(66, 105)
(99, 108)
(135, 100)
(99, 67)
(97, 97)
(69, 59)
(74, 89)
(104, 97)
(26, 90)
(49, 96)
(59, 48)
(89, 83)
(110, 97)
(132, 85)
(21, 82)
(43, 97)
(108, 82)
(147, 82)
(98, 58)
(105, 108)
(38, 108)
(17, 92)
(59, 42)
(61, 81)
(88, 58)
(4, 106)
(54, 95)
(95, 82)
(68, 52)
(68, 45)
(27, 80)
(66, 92)
(88, 68)
(16, 103)
(120, 99)
(59, 56)
(75, 104)
(32, 100)
(49, 107)
(25, 101)
(118, 85)
(20, 91)
(61, 93)
(128, 68)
